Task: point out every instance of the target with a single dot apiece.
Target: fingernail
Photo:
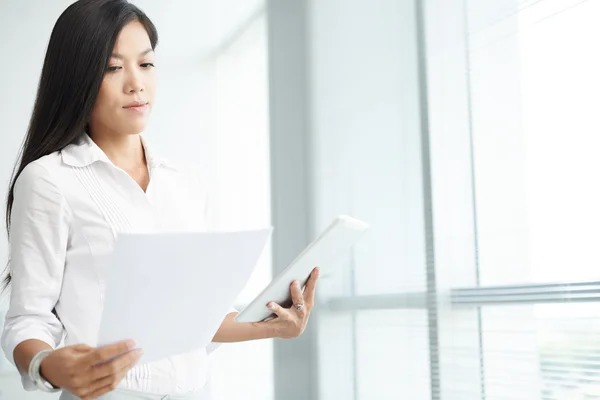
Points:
(131, 344)
(297, 284)
(270, 306)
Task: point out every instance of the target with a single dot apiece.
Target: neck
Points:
(125, 151)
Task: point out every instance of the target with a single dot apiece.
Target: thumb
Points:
(276, 308)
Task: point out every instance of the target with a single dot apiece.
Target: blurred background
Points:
(466, 132)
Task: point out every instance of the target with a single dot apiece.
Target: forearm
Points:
(25, 351)
(231, 331)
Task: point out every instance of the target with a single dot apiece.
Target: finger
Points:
(114, 366)
(277, 309)
(112, 385)
(311, 285)
(101, 387)
(110, 382)
(297, 297)
(105, 353)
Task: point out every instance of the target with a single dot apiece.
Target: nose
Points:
(134, 82)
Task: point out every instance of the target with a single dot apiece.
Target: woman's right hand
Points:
(89, 372)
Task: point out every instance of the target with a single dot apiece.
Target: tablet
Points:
(335, 242)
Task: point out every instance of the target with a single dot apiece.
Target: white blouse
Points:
(68, 208)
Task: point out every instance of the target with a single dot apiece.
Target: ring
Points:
(299, 307)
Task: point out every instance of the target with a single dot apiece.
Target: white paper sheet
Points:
(170, 292)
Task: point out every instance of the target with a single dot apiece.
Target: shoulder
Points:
(37, 194)
(40, 172)
(39, 183)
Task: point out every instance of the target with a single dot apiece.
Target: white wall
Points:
(196, 52)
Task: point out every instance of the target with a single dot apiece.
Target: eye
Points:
(147, 65)
(113, 68)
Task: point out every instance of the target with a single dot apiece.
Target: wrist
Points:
(35, 372)
(44, 370)
(265, 330)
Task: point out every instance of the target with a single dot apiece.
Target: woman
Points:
(86, 174)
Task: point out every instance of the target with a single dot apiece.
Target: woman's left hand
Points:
(291, 322)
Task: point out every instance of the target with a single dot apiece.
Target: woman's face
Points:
(127, 91)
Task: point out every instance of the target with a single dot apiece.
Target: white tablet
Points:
(336, 241)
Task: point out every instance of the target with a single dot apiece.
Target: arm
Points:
(40, 222)
(25, 351)
(231, 331)
(290, 323)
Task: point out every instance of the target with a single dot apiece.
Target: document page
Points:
(170, 292)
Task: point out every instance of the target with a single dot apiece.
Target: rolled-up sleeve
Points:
(40, 221)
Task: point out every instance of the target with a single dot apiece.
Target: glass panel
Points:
(549, 351)
(365, 140)
(392, 355)
(534, 85)
(336, 355)
(459, 345)
(388, 356)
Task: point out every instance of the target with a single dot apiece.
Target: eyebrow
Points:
(121, 57)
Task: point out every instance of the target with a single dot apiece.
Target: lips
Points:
(136, 104)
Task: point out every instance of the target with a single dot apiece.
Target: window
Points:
(533, 84)
(476, 166)
(513, 144)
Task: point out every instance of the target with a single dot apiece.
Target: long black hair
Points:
(78, 53)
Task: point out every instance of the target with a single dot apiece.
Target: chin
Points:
(134, 129)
